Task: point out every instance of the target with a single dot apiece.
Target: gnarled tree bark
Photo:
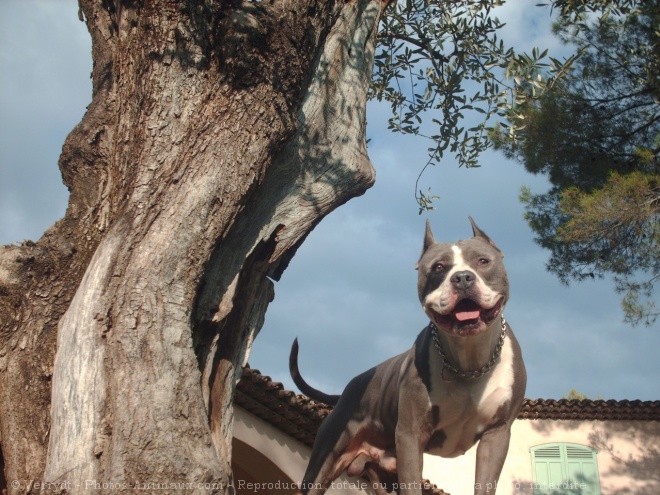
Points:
(219, 135)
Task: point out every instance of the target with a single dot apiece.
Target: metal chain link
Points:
(468, 374)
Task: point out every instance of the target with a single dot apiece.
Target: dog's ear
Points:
(477, 232)
(429, 240)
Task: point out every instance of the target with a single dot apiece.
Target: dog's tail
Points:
(304, 387)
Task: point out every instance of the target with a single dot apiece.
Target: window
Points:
(565, 468)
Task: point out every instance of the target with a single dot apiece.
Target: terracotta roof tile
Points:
(590, 410)
(295, 415)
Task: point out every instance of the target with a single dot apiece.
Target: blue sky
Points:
(350, 292)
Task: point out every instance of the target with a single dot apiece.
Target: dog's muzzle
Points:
(466, 318)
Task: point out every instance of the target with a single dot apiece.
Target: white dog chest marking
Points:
(499, 387)
(478, 407)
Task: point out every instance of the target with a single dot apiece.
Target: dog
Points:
(462, 382)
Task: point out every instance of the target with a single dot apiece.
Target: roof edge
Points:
(300, 416)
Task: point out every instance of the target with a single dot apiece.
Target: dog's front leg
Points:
(408, 460)
(413, 429)
(491, 453)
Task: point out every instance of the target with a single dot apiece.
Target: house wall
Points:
(628, 457)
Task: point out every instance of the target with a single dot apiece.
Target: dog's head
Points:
(463, 286)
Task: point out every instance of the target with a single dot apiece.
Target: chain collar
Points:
(468, 374)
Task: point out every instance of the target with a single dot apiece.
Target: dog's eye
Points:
(438, 267)
(483, 261)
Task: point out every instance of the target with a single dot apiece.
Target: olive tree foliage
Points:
(596, 135)
(447, 74)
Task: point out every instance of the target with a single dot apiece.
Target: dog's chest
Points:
(466, 409)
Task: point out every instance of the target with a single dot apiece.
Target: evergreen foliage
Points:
(596, 135)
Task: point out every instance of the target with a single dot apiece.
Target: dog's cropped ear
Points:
(429, 240)
(477, 232)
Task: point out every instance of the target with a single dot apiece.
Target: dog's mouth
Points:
(467, 318)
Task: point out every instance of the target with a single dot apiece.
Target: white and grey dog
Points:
(462, 382)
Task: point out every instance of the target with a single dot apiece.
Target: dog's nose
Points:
(463, 280)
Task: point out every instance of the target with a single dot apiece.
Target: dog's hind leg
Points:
(327, 459)
(381, 481)
(322, 471)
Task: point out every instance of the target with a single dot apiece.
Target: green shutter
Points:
(565, 468)
(548, 462)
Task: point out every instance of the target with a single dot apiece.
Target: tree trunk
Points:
(219, 135)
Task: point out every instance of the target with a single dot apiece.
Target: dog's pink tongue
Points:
(467, 310)
(467, 315)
